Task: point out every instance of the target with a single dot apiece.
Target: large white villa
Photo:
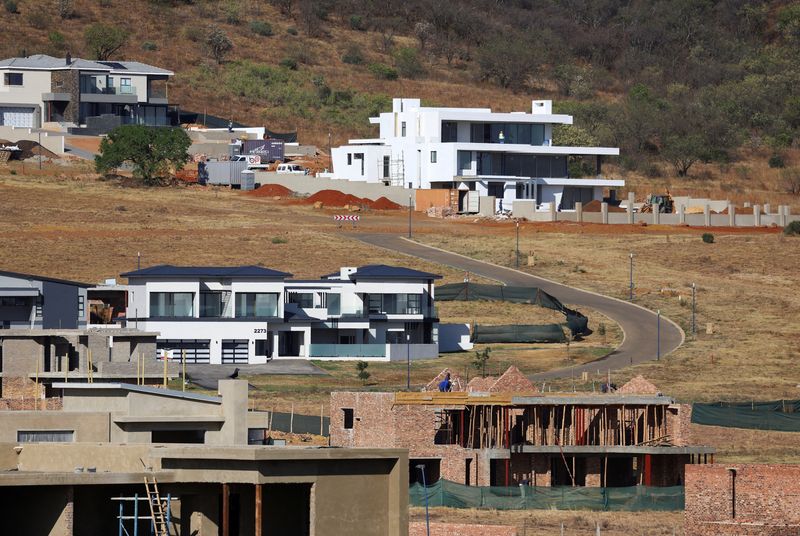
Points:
(507, 155)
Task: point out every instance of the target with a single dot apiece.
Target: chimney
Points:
(68, 59)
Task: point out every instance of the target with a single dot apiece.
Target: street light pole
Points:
(409, 217)
(425, 490)
(631, 285)
(40, 150)
(517, 257)
(408, 361)
(694, 308)
(658, 335)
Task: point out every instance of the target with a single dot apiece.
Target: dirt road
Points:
(645, 338)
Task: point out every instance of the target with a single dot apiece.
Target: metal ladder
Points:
(156, 508)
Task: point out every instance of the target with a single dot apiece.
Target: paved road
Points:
(639, 325)
(80, 153)
(206, 376)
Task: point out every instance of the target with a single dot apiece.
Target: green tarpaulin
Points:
(577, 322)
(518, 333)
(630, 499)
(778, 415)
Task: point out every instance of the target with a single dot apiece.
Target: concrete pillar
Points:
(234, 411)
(552, 212)
(579, 212)
(731, 215)
(656, 215)
(707, 215)
(604, 212)
(767, 208)
(757, 215)
(782, 215)
(681, 214)
(631, 201)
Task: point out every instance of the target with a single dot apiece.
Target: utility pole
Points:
(408, 361)
(631, 285)
(517, 256)
(40, 149)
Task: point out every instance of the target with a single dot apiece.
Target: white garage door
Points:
(16, 116)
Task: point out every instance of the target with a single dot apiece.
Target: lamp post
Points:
(40, 149)
(517, 257)
(631, 285)
(409, 217)
(694, 308)
(421, 468)
(658, 335)
(408, 361)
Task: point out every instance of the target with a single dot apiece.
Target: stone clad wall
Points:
(764, 500)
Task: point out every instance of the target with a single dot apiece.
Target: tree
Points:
(218, 43)
(152, 151)
(104, 40)
(363, 375)
(424, 32)
(508, 61)
(284, 6)
(481, 357)
(406, 60)
(65, 8)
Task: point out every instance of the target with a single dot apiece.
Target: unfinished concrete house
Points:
(96, 466)
(501, 432)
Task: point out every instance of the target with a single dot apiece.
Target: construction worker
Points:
(445, 385)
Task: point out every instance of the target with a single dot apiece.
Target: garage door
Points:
(16, 116)
(235, 351)
(197, 350)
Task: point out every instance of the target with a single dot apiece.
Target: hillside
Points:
(674, 83)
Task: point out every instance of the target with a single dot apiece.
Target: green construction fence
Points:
(629, 499)
(777, 415)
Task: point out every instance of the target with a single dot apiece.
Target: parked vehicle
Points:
(253, 161)
(292, 168)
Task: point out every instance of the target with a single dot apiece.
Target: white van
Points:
(291, 168)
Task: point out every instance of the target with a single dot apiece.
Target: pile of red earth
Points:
(335, 198)
(29, 149)
(594, 206)
(271, 190)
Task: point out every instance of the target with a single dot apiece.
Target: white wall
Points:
(34, 83)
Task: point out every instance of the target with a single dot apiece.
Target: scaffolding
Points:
(158, 512)
(397, 175)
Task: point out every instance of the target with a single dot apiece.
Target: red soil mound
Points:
(271, 190)
(384, 204)
(594, 206)
(335, 198)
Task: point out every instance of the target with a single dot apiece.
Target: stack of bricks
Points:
(742, 499)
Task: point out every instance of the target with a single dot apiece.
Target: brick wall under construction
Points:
(742, 499)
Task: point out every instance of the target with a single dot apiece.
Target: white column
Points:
(604, 212)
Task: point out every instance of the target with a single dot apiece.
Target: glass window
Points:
(537, 134)
(348, 418)
(256, 304)
(334, 304)
(510, 132)
(171, 304)
(360, 156)
(45, 436)
(349, 159)
(449, 131)
(433, 157)
(414, 306)
(524, 134)
(125, 86)
(386, 160)
(264, 347)
(375, 305)
(13, 79)
(543, 166)
(303, 299)
(81, 307)
(496, 131)
(403, 129)
(210, 304)
(464, 162)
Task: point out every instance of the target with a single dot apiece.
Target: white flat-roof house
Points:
(250, 314)
(42, 89)
(506, 155)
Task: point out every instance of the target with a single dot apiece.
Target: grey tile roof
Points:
(45, 62)
(41, 278)
(167, 270)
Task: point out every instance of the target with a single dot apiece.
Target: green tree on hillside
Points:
(104, 40)
(151, 150)
(218, 43)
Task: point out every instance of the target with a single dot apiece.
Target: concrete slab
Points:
(207, 376)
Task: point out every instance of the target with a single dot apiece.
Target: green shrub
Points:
(279, 240)
(408, 64)
(356, 22)
(383, 71)
(353, 55)
(13, 172)
(708, 238)
(261, 28)
(291, 30)
(149, 45)
(190, 34)
(10, 6)
(58, 43)
(289, 63)
(232, 14)
(793, 229)
(776, 161)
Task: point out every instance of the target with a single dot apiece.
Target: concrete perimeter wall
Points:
(308, 184)
(746, 499)
(51, 141)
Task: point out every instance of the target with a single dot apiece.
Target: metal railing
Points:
(347, 350)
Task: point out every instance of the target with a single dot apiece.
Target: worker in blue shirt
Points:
(445, 385)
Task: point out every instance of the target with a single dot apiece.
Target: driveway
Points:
(639, 325)
(206, 376)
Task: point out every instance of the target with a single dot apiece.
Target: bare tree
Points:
(218, 43)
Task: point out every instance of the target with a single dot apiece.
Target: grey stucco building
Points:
(30, 301)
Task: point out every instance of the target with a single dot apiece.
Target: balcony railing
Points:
(122, 90)
(347, 350)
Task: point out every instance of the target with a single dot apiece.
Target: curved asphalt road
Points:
(638, 324)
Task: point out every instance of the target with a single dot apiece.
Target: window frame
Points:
(251, 313)
(348, 418)
(10, 78)
(434, 157)
(169, 305)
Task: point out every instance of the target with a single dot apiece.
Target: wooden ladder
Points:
(156, 508)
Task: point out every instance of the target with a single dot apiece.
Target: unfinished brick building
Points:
(742, 499)
(502, 432)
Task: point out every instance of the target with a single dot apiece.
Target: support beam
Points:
(259, 519)
(226, 509)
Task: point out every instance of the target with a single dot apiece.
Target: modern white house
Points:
(41, 89)
(506, 155)
(251, 314)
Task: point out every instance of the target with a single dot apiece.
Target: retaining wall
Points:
(308, 184)
(52, 141)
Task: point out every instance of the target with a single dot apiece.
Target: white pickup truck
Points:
(253, 161)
